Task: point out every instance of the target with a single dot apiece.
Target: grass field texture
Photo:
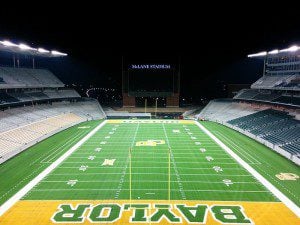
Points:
(135, 161)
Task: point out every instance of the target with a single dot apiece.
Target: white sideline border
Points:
(290, 204)
(16, 197)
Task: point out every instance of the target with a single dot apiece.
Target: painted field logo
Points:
(146, 213)
(150, 143)
(287, 176)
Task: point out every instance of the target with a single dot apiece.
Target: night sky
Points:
(213, 42)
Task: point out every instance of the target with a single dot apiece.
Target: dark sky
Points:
(213, 41)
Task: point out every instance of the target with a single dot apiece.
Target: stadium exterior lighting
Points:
(291, 49)
(41, 50)
(57, 53)
(22, 48)
(273, 52)
(25, 47)
(257, 54)
(8, 44)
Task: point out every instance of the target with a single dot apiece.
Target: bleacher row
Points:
(27, 78)
(288, 82)
(224, 110)
(267, 96)
(26, 125)
(28, 96)
(280, 129)
(22, 126)
(274, 126)
(16, 138)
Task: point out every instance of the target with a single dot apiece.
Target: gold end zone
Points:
(30, 212)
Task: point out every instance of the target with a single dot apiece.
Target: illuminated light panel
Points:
(257, 54)
(42, 50)
(53, 52)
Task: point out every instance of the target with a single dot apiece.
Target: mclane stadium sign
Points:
(149, 213)
(150, 66)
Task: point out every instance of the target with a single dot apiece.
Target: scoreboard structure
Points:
(155, 80)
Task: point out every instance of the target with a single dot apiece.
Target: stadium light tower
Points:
(273, 52)
(156, 106)
(257, 54)
(42, 50)
(291, 49)
(57, 53)
(24, 49)
(8, 44)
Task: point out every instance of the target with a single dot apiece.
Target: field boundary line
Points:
(16, 197)
(236, 146)
(60, 149)
(290, 204)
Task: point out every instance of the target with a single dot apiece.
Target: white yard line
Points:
(182, 174)
(122, 178)
(290, 204)
(178, 178)
(235, 146)
(10, 202)
(150, 181)
(134, 137)
(60, 149)
(149, 167)
(124, 157)
(147, 189)
(80, 162)
(143, 153)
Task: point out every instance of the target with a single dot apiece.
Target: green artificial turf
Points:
(18, 171)
(265, 161)
(192, 175)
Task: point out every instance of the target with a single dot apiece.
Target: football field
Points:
(148, 171)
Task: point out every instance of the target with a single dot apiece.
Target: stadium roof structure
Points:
(24, 49)
(290, 50)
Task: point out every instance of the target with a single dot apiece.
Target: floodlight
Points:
(9, 44)
(257, 54)
(53, 52)
(273, 52)
(25, 47)
(41, 50)
(291, 49)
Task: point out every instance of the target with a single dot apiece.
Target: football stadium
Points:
(66, 159)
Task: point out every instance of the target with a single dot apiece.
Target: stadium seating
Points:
(224, 110)
(16, 138)
(279, 129)
(23, 126)
(276, 127)
(277, 82)
(268, 96)
(28, 96)
(288, 100)
(28, 78)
